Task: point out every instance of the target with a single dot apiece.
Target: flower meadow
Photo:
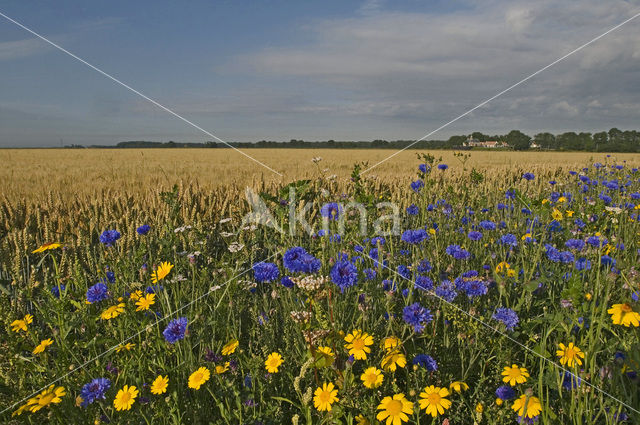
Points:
(502, 299)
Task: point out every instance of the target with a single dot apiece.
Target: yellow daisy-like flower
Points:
(515, 375)
(125, 398)
(273, 362)
(479, 408)
(458, 386)
(145, 302)
(433, 400)
(372, 377)
(42, 346)
(52, 395)
(325, 396)
(159, 385)
(569, 355)
(569, 213)
(199, 377)
(556, 215)
(21, 324)
(230, 347)
(502, 267)
(47, 246)
(393, 359)
(358, 343)
(161, 272)
(622, 314)
(113, 311)
(128, 346)
(220, 369)
(324, 356)
(529, 408)
(135, 295)
(390, 342)
(361, 420)
(395, 409)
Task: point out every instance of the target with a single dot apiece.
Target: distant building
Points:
(534, 145)
(492, 144)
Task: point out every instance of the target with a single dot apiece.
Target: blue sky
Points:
(277, 70)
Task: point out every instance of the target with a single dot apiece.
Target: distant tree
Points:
(545, 140)
(600, 141)
(518, 140)
(480, 137)
(455, 141)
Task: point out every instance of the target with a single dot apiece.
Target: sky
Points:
(281, 70)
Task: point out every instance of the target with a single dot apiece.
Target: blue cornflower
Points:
(509, 239)
(475, 235)
(109, 237)
(404, 271)
(111, 277)
(331, 210)
(596, 241)
(505, 392)
(144, 229)
(413, 210)
(344, 274)
(488, 225)
(461, 254)
(528, 176)
(508, 317)
(97, 292)
(286, 282)
(298, 260)
(583, 264)
(414, 236)
(452, 249)
(424, 266)
(265, 272)
(55, 290)
(423, 282)
(94, 390)
(576, 244)
(442, 167)
(570, 381)
(417, 316)
(417, 185)
(475, 288)
(422, 168)
(369, 274)
(175, 330)
(378, 240)
(446, 291)
(425, 361)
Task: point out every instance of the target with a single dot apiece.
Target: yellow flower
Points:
(273, 362)
(46, 246)
(569, 213)
(135, 295)
(159, 385)
(163, 270)
(390, 342)
(569, 355)
(325, 396)
(433, 400)
(557, 215)
(324, 356)
(499, 401)
(125, 398)
(52, 395)
(199, 377)
(230, 348)
(113, 311)
(392, 359)
(361, 420)
(623, 314)
(432, 232)
(42, 346)
(529, 408)
(395, 409)
(515, 375)
(21, 324)
(562, 199)
(479, 408)
(525, 236)
(587, 296)
(128, 346)
(220, 369)
(145, 302)
(372, 377)
(502, 267)
(458, 386)
(358, 344)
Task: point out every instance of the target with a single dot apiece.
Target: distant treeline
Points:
(614, 140)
